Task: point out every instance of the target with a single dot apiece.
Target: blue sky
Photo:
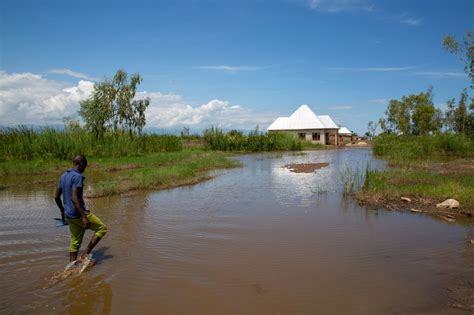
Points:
(230, 63)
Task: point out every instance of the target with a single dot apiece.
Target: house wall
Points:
(308, 135)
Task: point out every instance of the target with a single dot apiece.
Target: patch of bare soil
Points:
(358, 144)
(417, 204)
(305, 167)
(123, 167)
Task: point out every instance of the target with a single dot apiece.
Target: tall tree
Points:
(470, 121)
(461, 116)
(112, 105)
(425, 117)
(371, 129)
(449, 119)
(398, 116)
(464, 50)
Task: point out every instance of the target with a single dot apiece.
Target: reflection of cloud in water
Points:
(301, 186)
(288, 187)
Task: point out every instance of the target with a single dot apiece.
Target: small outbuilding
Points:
(308, 126)
(345, 135)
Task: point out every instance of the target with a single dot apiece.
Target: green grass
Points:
(111, 176)
(404, 149)
(159, 171)
(413, 171)
(410, 182)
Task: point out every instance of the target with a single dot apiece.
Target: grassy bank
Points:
(111, 176)
(428, 170)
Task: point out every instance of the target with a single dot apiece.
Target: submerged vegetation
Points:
(353, 179)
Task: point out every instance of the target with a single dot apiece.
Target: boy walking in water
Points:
(73, 209)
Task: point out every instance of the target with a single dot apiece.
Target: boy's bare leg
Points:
(95, 239)
(72, 256)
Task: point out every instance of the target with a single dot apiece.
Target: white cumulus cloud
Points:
(28, 98)
(171, 110)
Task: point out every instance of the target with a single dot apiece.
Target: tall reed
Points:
(404, 148)
(255, 141)
(24, 143)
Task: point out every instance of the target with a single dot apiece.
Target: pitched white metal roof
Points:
(281, 123)
(344, 131)
(303, 118)
(328, 122)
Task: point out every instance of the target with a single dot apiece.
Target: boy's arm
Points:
(57, 198)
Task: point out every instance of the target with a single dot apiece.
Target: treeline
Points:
(417, 115)
(254, 141)
(23, 143)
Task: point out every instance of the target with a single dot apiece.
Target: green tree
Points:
(371, 129)
(464, 50)
(470, 121)
(413, 114)
(113, 106)
(398, 116)
(425, 117)
(383, 125)
(461, 116)
(449, 119)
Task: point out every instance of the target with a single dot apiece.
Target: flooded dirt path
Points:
(255, 240)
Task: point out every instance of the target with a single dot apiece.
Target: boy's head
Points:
(80, 162)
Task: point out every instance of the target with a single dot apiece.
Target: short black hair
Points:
(79, 159)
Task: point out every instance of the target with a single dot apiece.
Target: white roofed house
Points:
(309, 126)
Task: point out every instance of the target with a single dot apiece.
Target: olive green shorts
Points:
(76, 227)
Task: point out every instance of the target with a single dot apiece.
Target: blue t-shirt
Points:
(69, 180)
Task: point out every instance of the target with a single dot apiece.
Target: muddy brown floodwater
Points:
(255, 240)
